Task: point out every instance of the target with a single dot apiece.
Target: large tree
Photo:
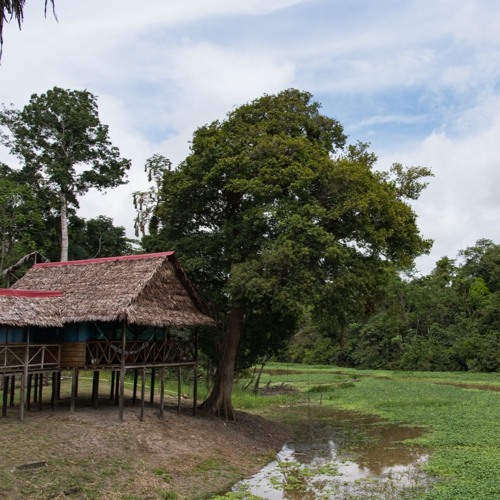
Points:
(269, 210)
(55, 136)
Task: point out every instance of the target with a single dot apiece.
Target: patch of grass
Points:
(163, 474)
(462, 438)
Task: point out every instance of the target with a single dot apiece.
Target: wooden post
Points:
(5, 395)
(55, 389)
(35, 392)
(28, 391)
(112, 386)
(95, 388)
(59, 380)
(143, 391)
(24, 375)
(152, 394)
(74, 389)
(122, 371)
(162, 390)
(117, 387)
(134, 394)
(195, 373)
(40, 391)
(12, 390)
(179, 376)
(22, 396)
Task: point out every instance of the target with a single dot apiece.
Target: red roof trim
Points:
(105, 259)
(9, 292)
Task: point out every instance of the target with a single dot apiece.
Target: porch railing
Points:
(35, 356)
(104, 353)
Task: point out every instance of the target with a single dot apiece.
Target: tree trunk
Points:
(219, 400)
(64, 227)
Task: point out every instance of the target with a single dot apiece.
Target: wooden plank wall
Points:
(73, 354)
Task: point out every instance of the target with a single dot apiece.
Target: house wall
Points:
(73, 355)
(11, 334)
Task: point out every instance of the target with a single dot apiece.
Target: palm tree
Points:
(15, 9)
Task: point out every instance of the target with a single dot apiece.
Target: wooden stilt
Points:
(143, 391)
(40, 391)
(117, 388)
(152, 394)
(35, 392)
(112, 386)
(162, 391)
(59, 380)
(122, 371)
(12, 390)
(55, 390)
(5, 395)
(74, 389)
(195, 372)
(179, 375)
(195, 388)
(24, 375)
(22, 395)
(28, 391)
(134, 394)
(95, 388)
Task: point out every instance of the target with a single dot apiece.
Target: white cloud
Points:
(419, 79)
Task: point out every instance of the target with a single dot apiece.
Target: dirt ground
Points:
(90, 454)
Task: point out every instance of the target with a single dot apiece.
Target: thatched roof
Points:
(147, 289)
(21, 308)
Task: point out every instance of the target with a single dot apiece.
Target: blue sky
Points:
(418, 79)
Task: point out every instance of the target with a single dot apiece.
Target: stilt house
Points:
(136, 312)
(23, 314)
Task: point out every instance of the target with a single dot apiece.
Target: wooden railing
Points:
(35, 356)
(105, 353)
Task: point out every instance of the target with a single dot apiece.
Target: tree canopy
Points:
(55, 136)
(272, 213)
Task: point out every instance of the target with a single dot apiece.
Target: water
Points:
(340, 455)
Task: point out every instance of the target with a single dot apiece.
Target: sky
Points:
(417, 79)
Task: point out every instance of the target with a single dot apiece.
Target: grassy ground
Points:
(461, 412)
(89, 454)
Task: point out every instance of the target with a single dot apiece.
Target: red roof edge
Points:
(105, 259)
(9, 292)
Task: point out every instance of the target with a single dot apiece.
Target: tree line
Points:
(302, 249)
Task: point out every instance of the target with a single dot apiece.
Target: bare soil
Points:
(90, 454)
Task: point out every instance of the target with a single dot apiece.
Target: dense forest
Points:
(448, 320)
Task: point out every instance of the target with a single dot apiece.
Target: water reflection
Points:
(337, 454)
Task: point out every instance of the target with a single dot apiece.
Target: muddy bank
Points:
(89, 454)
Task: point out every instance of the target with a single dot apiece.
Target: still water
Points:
(341, 455)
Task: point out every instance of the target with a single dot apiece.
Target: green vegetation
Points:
(273, 215)
(445, 321)
(461, 425)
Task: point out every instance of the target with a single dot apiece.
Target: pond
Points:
(339, 454)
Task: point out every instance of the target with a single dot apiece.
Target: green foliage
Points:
(97, 237)
(21, 217)
(55, 136)
(448, 320)
(272, 214)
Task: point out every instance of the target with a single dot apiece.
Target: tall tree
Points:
(21, 217)
(14, 9)
(268, 210)
(55, 136)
